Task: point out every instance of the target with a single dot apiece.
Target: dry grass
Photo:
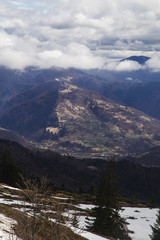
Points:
(41, 220)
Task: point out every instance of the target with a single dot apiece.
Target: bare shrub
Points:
(43, 217)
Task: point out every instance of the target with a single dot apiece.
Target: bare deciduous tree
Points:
(42, 216)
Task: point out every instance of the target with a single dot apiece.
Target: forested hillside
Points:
(75, 174)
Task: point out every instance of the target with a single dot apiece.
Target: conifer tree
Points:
(156, 228)
(108, 221)
(10, 172)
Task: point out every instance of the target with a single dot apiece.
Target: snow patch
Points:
(139, 220)
(6, 225)
(8, 187)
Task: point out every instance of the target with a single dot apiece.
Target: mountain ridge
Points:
(72, 120)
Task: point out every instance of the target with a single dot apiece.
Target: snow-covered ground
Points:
(139, 219)
(86, 206)
(6, 232)
(12, 188)
(91, 236)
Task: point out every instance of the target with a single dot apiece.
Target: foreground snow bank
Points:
(139, 220)
(6, 224)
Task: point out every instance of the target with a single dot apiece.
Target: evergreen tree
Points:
(10, 172)
(156, 229)
(108, 221)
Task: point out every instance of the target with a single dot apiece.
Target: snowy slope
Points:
(139, 219)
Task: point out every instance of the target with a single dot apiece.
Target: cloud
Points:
(128, 66)
(123, 66)
(83, 34)
(154, 63)
(16, 59)
(74, 54)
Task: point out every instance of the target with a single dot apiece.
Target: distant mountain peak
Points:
(140, 59)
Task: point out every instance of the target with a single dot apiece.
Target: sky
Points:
(82, 34)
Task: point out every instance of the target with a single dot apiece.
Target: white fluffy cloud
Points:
(154, 63)
(123, 66)
(83, 34)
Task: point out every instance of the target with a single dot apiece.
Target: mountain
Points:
(72, 120)
(74, 112)
(28, 112)
(137, 89)
(140, 59)
(125, 88)
(145, 97)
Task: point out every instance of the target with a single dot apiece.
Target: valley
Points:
(57, 114)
